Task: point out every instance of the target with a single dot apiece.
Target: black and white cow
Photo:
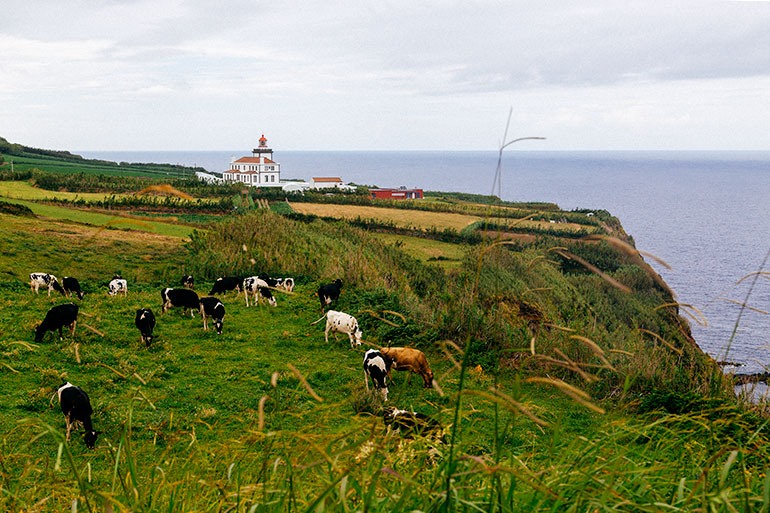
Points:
(56, 318)
(377, 366)
(145, 321)
(71, 286)
(257, 287)
(226, 283)
(181, 298)
(340, 322)
(329, 292)
(286, 284)
(212, 307)
(116, 286)
(188, 281)
(411, 423)
(76, 408)
(37, 280)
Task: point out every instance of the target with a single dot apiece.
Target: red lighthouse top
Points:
(263, 141)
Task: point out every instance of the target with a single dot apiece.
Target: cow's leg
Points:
(61, 335)
(326, 333)
(205, 324)
(366, 379)
(246, 294)
(72, 327)
(409, 381)
(69, 426)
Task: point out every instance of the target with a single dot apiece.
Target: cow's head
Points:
(90, 438)
(218, 323)
(58, 288)
(39, 332)
(358, 334)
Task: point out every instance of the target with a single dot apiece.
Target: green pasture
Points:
(22, 190)
(427, 250)
(97, 219)
(61, 165)
(201, 422)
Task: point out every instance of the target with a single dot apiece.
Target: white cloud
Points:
(594, 73)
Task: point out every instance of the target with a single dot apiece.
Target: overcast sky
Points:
(201, 75)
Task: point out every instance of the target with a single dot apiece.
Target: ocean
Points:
(707, 214)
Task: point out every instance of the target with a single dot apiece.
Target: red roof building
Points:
(400, 193)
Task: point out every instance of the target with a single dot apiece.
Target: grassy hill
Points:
(560, 388)
(26, 158)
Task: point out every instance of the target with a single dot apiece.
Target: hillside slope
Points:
(516, 335)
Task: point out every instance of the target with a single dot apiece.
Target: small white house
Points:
(329, 182)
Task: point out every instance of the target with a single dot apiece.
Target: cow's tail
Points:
(319, 320)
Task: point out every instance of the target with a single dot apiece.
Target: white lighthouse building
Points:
(259, 170)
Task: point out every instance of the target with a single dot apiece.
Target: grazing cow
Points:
(226, 283)
(117, 285)
(286, 284)
(260, 289)
(37, 280)
(411, 422)
(328, 293)
(340, 322)
(412, 360)
(145, 321)
(212, 307)
(56, 318)
(71, 286)
(377, 366)
(182, 298)
(188, 281)
(76, 408)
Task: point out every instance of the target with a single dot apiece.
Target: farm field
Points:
(270, 417)
(432, 251)
(401, 218)
(24, 190)
(70, 165)
(97, 219)
(417, 219)
(190, 405)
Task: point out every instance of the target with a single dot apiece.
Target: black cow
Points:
(56, 318)
(212, 307)
(328, 293)
(37, 280)
(145, 321)
(188, 281)
(226, 283)
(76, 407)
(377, 366)
(71, 286)
(410, 422)
(182, 298)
